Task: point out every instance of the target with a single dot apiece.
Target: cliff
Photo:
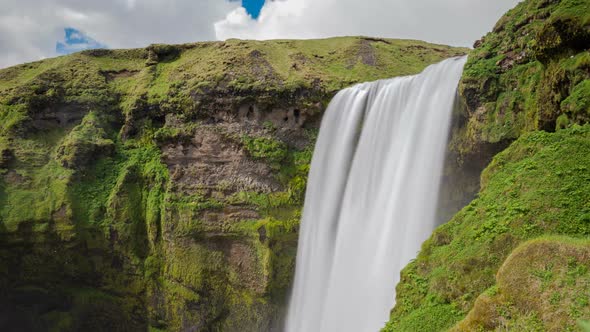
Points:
(524, 119)
(537, 187)
(531, 72)
(161, 188)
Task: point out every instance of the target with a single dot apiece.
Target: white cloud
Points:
(71, 15)
(453, 22)
(29, 29)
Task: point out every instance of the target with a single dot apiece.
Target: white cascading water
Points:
(371, 198)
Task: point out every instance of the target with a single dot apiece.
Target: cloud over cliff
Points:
(453, 22)
(29, 29)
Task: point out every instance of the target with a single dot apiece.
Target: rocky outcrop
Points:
(531, 72)
(161, 188)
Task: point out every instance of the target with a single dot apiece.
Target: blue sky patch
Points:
(75, 41)
(253, 7)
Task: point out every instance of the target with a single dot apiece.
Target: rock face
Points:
(532, 72)
(161, 188)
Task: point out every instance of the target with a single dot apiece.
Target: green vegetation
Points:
(84, 141)
(540, 185)
(135, 195)
(161, 189)
(267, 149)
(529, 73)
(173, 75)
(542, 285)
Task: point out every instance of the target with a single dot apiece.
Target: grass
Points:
(538, 186)
(280, 65)
(542, 285)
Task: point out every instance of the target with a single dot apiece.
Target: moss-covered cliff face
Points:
(532, 72)
(161, 188)
(525, 106)
(538, 186)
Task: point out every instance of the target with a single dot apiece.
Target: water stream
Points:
(371, 198)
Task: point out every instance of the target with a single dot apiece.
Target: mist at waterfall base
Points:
(371, 198)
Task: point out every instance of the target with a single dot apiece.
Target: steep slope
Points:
(542, 286)
(161, 188)
(538, 186)
(532, 72)
(525, 79)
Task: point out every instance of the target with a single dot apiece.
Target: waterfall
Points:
(371, 198)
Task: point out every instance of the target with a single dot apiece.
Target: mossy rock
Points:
(542, 286)
(97, 203)
(531, 69)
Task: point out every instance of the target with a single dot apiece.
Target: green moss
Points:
(90, 192)
(539, 185)
(526, 73)
(578, 102)
(176, 74)
(35, 196)
(85, 140)
(135, 205)
(195, 202)
(541, 286)
(562, 122)
(276, 241)
(193, 265)
(90, 213)
(295, 171)
(265, 203)
(180, 132)
(12, 118)
(440, 318)
(267, 149)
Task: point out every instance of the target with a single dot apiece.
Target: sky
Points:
(35, 29)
